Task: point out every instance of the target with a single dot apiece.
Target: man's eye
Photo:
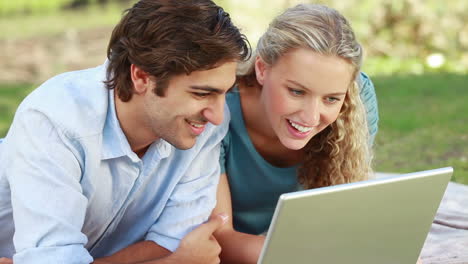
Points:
(296, 92)
(201, 95)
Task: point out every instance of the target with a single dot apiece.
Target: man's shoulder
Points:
(74, 101)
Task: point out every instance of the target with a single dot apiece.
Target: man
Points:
(118, 164)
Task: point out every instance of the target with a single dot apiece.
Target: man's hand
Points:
(200, 246)
(6, 261)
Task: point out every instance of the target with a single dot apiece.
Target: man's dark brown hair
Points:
(166, 38)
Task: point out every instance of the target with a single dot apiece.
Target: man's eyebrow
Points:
(207, 88)
(211, 89)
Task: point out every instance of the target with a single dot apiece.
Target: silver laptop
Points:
(372, 222)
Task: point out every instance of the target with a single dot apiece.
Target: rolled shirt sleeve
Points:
(189, 206)
(46, 196)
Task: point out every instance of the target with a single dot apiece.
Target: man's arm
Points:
(236, 247)
(190, 204)
(48, 205)
(139, 252)
(198, 247)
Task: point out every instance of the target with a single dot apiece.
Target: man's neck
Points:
(138, 135)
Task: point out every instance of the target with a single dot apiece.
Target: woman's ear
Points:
(260, 68)
(141, 80)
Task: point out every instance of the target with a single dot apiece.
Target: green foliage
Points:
(20, 7)
(401, 33)
(23, 27)
(31, 6)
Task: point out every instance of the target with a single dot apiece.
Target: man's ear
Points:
(260, 68)
(142, 81)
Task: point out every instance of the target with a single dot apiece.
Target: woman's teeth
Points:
(302, 129)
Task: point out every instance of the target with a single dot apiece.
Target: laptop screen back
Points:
(376, 221)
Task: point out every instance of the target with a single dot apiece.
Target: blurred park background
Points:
(416, 52)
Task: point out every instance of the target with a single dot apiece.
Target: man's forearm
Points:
(239, 248)
(141, 252)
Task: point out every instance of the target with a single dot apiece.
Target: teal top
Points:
(256, 184)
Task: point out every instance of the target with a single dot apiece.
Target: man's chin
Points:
(183, 145)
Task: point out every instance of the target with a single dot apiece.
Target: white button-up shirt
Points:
(72, 189)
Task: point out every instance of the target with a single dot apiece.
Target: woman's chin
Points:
(294, 144)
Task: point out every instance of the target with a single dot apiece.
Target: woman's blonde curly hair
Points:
(341, 152)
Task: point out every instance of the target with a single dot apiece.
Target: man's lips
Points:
(196, 127)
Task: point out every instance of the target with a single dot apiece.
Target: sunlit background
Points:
(416, 52)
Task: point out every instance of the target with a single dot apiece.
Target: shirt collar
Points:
(115, 143)
(160, 149)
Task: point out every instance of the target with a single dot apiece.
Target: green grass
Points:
(54, 22)
(423, 123)
(10, 97)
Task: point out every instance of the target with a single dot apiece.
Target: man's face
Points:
(190, 102)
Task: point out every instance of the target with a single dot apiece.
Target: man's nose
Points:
(214, 112)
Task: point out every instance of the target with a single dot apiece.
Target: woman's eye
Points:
(332, 99)
(295, 92)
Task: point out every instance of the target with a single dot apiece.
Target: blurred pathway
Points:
(37, 59)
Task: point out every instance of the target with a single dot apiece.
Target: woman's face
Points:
(302, 94)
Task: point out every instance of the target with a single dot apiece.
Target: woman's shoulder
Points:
(369, 99)
(232, 97)
(366, 86)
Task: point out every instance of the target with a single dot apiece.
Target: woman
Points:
(297, 121)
